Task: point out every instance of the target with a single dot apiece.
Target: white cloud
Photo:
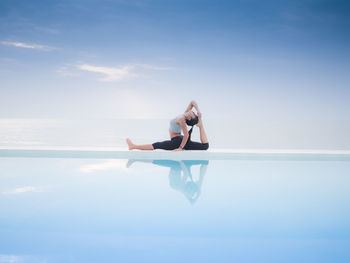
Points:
(107, 165)
(24, 189)
(66, 72)
(152, 67)
(26, 45)
(9, 259)
(114, 74)
(111, 74)
(17, 259)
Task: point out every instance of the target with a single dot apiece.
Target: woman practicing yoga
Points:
(178, 142)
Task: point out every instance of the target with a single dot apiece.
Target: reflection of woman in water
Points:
(178, 142)
(180, 176)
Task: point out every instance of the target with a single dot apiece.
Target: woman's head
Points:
(191, 118)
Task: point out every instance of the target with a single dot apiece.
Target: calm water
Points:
(114, 210)
(224, 134)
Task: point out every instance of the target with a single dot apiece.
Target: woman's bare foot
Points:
(130, 144)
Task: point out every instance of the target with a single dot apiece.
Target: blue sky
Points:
(243, 59)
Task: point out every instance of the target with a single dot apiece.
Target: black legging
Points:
(175, 143)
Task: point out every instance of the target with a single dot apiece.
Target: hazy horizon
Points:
(239, 134)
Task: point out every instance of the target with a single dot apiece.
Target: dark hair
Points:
(192, 122)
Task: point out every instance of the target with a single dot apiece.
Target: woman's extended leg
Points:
(138, 147)
(203, 145)
(172, 144)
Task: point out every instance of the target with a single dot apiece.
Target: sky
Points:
(244, 59)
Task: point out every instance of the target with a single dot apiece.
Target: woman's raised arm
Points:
(191, 105)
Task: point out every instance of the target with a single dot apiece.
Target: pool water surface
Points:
(119, 210)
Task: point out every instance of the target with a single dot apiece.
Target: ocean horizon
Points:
(222, 134)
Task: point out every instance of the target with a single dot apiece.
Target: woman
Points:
(178, 142)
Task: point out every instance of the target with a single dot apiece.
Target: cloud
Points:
(111, 74)
(108, 165)
(26, 45)
(152, 67)
(9, 259)
(25, 189)
(17, 259)
(114, 74)
(67, 72)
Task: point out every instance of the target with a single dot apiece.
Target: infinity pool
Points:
(119, 210)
